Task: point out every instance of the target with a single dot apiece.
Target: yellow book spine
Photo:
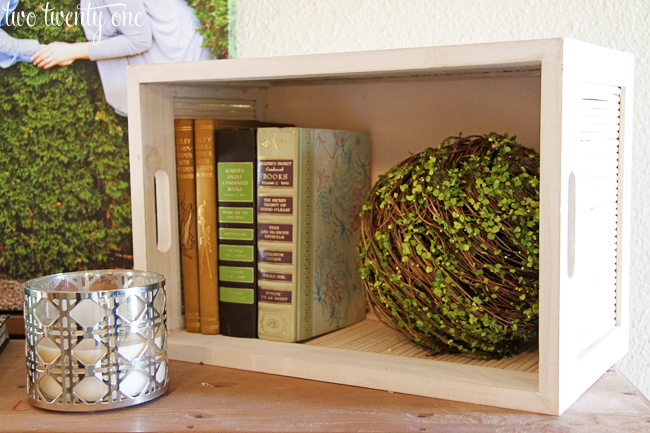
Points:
(186, 182)
(206, 200)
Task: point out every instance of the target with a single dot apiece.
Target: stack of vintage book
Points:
(269, 218)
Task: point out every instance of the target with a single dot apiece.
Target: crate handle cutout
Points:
(163, 214)
(571, 238)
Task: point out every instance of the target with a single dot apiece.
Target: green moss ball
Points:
(449, 249)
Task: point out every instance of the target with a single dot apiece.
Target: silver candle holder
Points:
(95, 340)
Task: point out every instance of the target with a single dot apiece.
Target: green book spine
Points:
(236, 186)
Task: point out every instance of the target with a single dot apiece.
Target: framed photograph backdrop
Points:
(65, 200)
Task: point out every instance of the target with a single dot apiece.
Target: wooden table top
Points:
(208, 398)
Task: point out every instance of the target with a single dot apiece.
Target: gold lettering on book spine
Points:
(186, 237)
(205, 246)
(275, 144)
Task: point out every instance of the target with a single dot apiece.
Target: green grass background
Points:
(64, 164)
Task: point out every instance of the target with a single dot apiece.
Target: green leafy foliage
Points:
(449, 251)
(214, 17)
(64, 180)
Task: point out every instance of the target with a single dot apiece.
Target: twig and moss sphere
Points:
(449, 249)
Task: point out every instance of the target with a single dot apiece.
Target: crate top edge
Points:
(438, 60)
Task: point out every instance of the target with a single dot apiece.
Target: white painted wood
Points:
(203, 108)
(199, 101)
(600, 91)
(151, 150)
(373, 336)
(624, 205)
(580, 367)
(437, 108)
(599, 105)
(163, 211)
(461, 60)
(559, 96)
(597, 147)
(504, 388)
(554, 252)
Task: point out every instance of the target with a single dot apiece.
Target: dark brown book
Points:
(186, 182)
(236, 187)
(207, 212)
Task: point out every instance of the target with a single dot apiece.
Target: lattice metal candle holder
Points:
(95, 340)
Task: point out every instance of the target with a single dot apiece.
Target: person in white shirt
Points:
(130, 32)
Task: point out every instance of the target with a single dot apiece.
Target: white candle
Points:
(91, 389)
(132, 351)
(134, 383)
(161, 374)
(47, 350)
(50, 388)
(89, 352)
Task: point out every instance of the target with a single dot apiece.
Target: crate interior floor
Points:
(373, 336)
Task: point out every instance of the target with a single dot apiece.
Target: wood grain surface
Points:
(208, 398)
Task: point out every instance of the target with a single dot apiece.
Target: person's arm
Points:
(131, 39)
(6, 8)
(59, 53)
(14, 50)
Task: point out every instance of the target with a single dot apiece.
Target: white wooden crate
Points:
(570, 100)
